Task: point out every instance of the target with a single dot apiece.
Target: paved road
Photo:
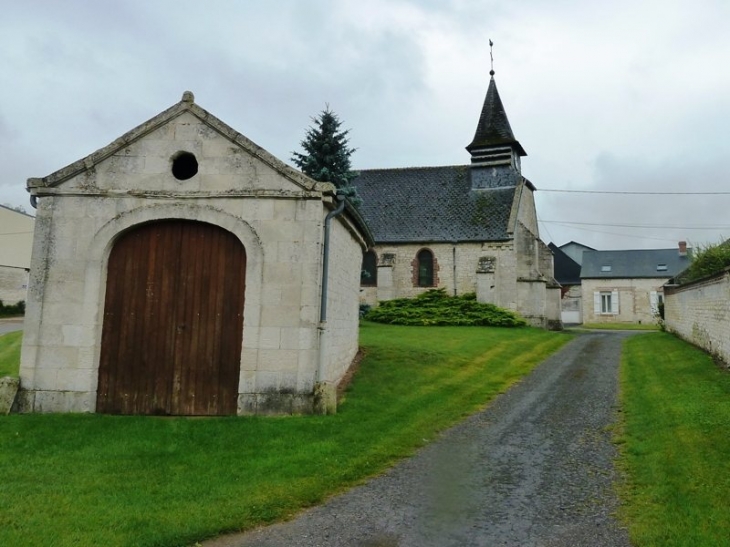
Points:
(534, 469)
(10, 325)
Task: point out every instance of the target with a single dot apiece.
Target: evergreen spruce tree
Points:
(326, 156)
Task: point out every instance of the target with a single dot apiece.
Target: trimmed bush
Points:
(10, 311)
(436, 308)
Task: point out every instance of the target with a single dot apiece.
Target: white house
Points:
(16, 242)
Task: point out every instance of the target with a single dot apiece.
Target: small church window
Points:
(425, 268)
(184, 166)
(369, 270)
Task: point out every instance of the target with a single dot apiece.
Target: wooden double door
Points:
(173, 321)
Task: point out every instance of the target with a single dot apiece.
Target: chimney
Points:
(682, 248)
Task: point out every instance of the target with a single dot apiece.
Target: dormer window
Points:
(605, 268)
(661, 267)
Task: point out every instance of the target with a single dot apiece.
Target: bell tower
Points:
(494, 149)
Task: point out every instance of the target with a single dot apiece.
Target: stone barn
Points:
(184, 270)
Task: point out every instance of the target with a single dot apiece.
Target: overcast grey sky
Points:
(607, 95)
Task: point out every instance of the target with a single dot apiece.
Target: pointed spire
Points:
(493, 143)
(493, 128)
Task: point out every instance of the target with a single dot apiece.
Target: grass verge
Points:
(10, 353)
(674, 444)
(145, 481)
(619, 326)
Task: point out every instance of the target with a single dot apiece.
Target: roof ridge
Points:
(412, 168)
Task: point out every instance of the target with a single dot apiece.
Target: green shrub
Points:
(14, 309)
(435, 308)
(707, 260)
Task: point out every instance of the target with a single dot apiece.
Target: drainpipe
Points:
(33, 201)
(453, 253)
(324, 393)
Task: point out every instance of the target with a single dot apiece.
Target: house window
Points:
(425, 268)
(605, 268)
(605, 302)
(661, 267)
(369, 270)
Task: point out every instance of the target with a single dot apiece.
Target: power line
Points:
(658, 226)
(634, 193)
(633, 236)
(546, 228)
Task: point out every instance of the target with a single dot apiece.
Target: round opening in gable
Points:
(184, 166)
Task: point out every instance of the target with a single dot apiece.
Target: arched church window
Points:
(425, 268)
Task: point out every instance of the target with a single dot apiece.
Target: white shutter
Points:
(597, 303)
(614, 302)
(654, 302)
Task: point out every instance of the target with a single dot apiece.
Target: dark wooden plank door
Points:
(173, 321)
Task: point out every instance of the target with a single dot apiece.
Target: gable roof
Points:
(186, 104)
(575, 250)
(633, 264)
(567, 270)
(432, 204)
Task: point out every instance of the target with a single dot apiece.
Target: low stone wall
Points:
(699, 312)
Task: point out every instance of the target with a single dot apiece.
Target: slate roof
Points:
(633, 263)
(432, 204)
(493, 128)
(567, 270)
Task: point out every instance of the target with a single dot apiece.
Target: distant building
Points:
(575, 251)
(464, 228)
(567, 273)
(16, 243)
(627, 286)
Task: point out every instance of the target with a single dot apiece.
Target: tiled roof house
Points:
(627, 286)
(464, 228)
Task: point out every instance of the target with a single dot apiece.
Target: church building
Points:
(465, 228)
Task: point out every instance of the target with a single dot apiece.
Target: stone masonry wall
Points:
(467, 262)
(700, 313)
(342, 303)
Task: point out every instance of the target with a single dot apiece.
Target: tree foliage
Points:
(707, 260)
(435, 308)
(326, 156)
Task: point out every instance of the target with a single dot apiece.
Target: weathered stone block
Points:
(8, 390)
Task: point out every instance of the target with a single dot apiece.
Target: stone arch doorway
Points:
(173, 321)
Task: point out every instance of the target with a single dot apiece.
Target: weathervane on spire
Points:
(491, 58)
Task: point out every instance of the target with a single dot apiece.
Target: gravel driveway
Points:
(534, 469)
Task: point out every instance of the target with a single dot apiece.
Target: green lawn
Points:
(675, 444)
(146, 481)
(10, 353)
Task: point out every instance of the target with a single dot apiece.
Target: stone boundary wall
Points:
(699, 313)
